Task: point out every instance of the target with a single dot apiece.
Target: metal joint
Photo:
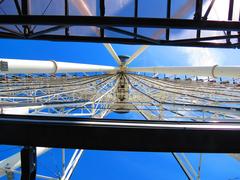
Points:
(55, 65)
(213, 71)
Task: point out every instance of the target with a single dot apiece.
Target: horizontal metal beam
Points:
(121, 22)
(113, 40)
(125, 135)
(111, 22)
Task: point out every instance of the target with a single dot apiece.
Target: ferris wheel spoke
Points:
(171, 92)
(147, 114)
(159, 110)
(31, 91)
(205, 111)
(212, 95)
(44, 82)
(48, 93)
(16, 66)
(189, 83)
(207, 71)
(192, 87)
(100, 108)
(137, 53)
(92, 105)
(63, 103)
(112, 52)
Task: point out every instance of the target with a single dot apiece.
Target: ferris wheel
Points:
(159, 93)
(119, 89)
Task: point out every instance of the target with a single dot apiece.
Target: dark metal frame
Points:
(198, 23)
(125, 135)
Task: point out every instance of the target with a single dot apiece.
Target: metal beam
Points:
(48, 30)
(102, 14)
(121, 22)
(184, 169)
(239, 31)
(230, 15)
(120, 135)
(109, 22)
(26, 12)
(72, 164)
(168, 17)
(121, 40)
(66, 11)
(18, 7)
(132, 34)
(135, 30)
(208, 10)
(25, 7)
(198, 14)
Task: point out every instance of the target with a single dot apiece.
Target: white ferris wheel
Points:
(117, 89)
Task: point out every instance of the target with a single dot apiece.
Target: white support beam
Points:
(72, 164)
(208, 71)
(16, 66)
(112, 52)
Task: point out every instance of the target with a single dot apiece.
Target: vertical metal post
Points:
(25, 12)
(239, 31)
(102, 14)
(168, 16)
(63, 162)
(198, 14)
(230, 14)
(28, 163)
(25, 7)
(66, 14)
(135, 16)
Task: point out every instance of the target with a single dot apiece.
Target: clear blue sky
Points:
(123, 165)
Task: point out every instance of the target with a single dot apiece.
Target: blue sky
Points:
(124, 165)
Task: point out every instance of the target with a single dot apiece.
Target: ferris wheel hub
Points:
(123, 59)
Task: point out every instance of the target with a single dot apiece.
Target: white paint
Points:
(212, 71)
(32, 66)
